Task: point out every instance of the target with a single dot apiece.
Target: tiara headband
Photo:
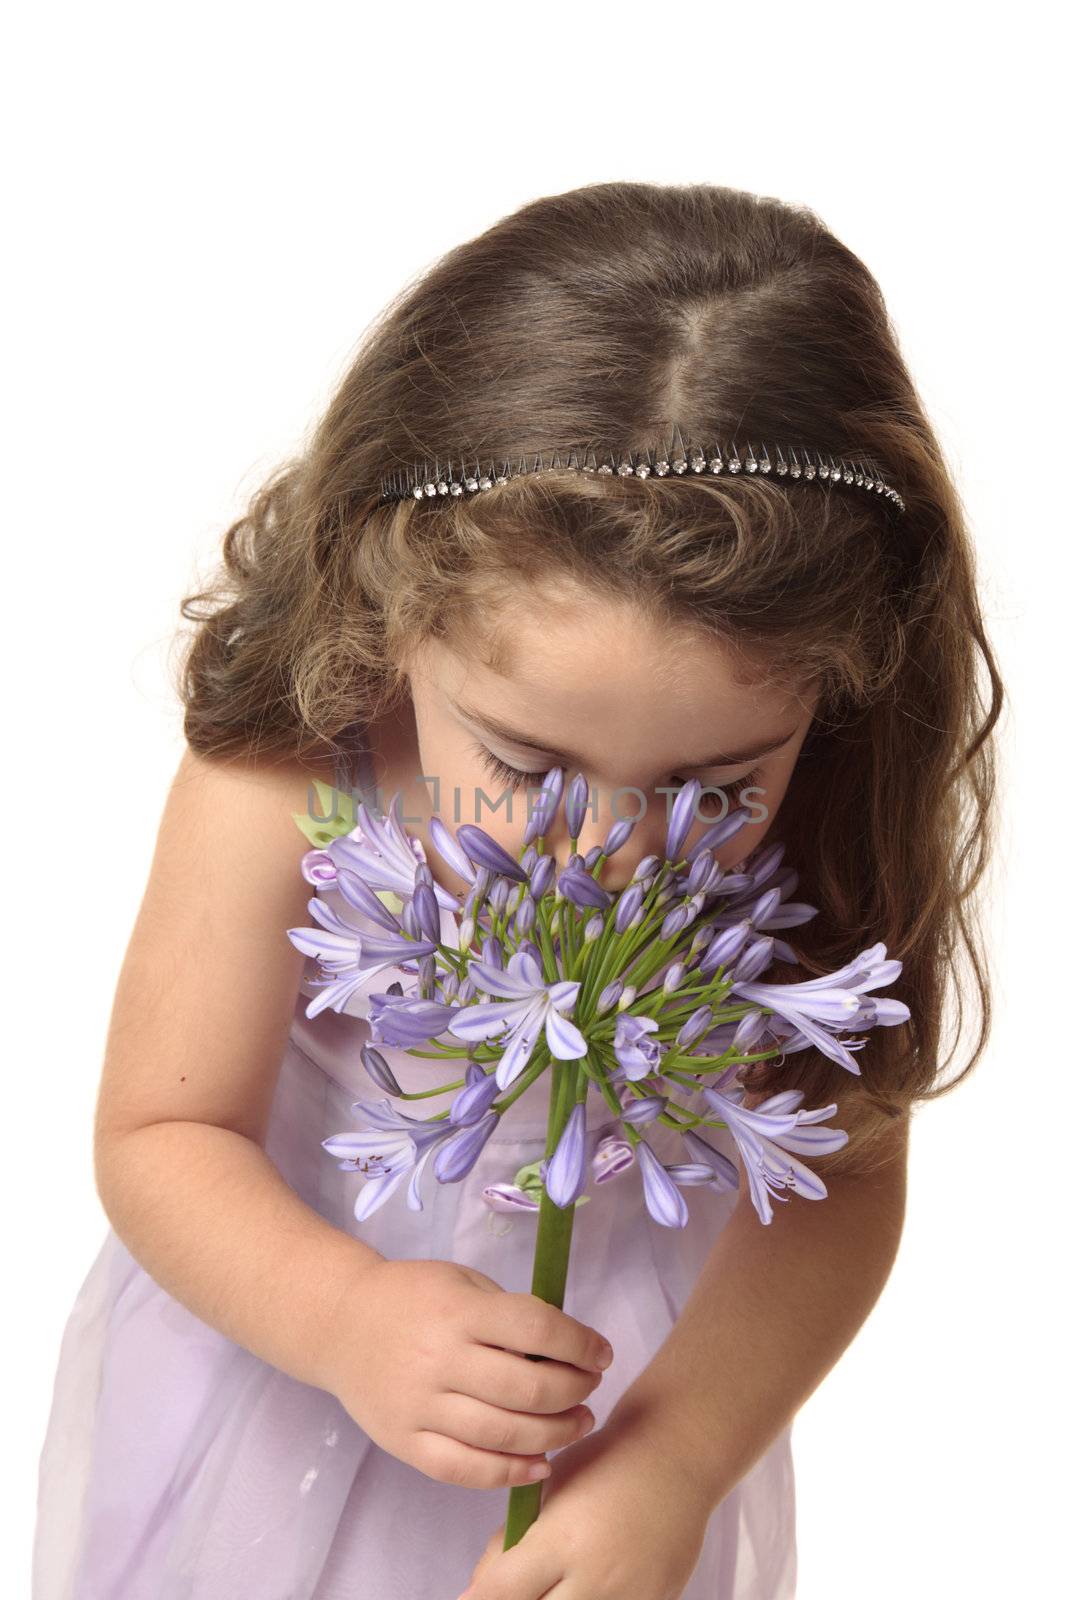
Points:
(429, 482)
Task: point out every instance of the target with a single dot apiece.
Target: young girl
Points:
(259, 1395)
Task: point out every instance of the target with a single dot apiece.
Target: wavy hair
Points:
(600, 315)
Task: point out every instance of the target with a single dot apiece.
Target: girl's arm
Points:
(774, 1308)
(201, 1013)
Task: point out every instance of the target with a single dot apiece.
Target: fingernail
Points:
(541, 1471)
(605, 1358)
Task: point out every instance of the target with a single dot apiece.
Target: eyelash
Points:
(516, 776)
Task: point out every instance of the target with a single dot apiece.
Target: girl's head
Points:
(646, 626)
(598, 682)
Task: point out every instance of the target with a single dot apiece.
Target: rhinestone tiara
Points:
(432, 480)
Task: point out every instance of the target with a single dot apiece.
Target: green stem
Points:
(551, 1255)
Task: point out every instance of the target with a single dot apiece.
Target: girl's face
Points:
(594, 687)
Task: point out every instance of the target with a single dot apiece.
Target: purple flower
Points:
(456, 1157)
(673, 977)
(393, 1147)
(348, 956)
(362, 898)
(618, 834)
(639, 1109)
(576, 803)
(694, 1026)
(529, 1006)
(450, 851)
(765, 1134)
(381, 853)
(691, 1172)
(720, 832)
(681, 819)
(628, 906)
(406, 1020)
(675, 921)
(565, 1169)
(485, 852)
(541, 875)
(726, 1175)
(544, 809)
(498, 895)
(376, 1067)
(576, 884)
(612, 1155)
(427, 912)
(725, 947)
(636, 1053)
(837, 1000)
(756, 959)
(609, 996)
(749, 1032)
(472, 1101)
(317, 867)
(662, 1198)
(509, 1197)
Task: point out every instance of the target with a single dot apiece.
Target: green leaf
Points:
(529, 1177)
(336, 816)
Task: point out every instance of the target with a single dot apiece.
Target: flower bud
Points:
(608, 996)
(673, 977)
(618, 834)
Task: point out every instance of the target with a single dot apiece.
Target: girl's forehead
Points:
(554, 636)
(614, 699)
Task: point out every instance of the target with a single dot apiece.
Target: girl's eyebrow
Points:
(722, 758)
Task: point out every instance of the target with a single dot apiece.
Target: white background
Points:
(206, 206)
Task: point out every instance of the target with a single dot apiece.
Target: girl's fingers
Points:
(528, 1324)
(521, 1433)
(528, 1571)
(504, 1378)
(450, 1460)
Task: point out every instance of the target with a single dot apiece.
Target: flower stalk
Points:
(552, 1249)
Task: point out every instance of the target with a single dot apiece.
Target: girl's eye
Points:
(517, 776)
(732, 790)
(513, 776)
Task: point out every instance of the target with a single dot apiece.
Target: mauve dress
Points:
(176, 1465)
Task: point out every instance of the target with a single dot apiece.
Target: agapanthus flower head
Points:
(641, 998)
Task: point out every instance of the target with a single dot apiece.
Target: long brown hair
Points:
(600, 315)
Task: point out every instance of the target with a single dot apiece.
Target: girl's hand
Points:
(430, 1359)
(621, 1519)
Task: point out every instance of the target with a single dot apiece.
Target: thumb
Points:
(492, 1550)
